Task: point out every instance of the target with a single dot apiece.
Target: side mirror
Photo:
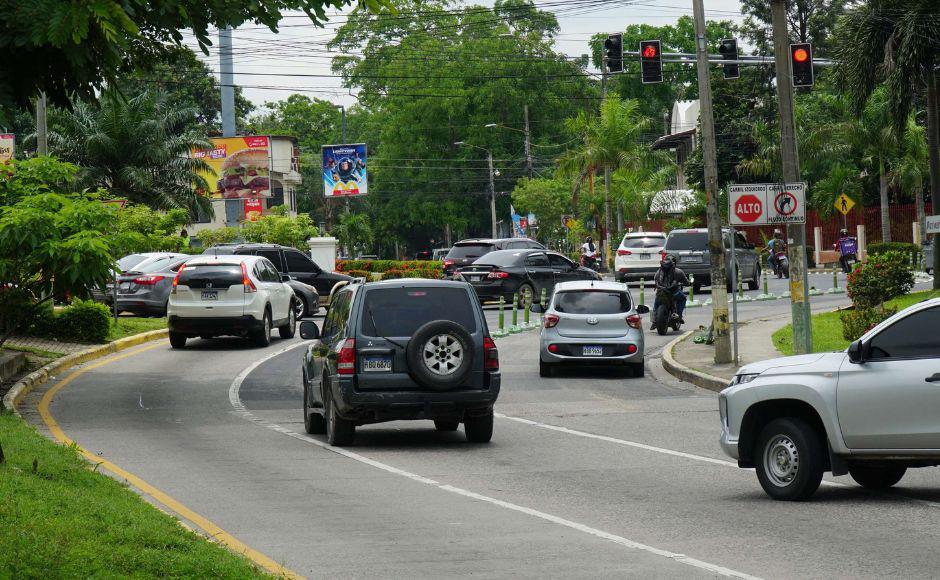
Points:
(309, 330)
(642, 309)
(856, 352)
(535, 308)
(286, 278)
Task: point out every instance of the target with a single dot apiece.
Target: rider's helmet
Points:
(589, 239)
(669, 262)
(778, 234)
(843, 233)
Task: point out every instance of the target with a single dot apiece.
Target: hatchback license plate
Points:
(592, 351)
(210, 295)
(377, 365)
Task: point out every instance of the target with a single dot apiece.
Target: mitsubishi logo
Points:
(592, 320)
(208, 284)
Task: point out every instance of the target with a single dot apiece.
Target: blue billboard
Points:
(344, 170)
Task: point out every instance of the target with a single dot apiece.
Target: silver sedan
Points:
(590, 323)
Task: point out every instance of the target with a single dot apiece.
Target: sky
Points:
(263, 57)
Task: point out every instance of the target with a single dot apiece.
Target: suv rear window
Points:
(592, 302)
(220, 275)
(687, 241)
(653, 242)
(402, 311)
(467, 251)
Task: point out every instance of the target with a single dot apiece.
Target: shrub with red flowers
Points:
(883, 277)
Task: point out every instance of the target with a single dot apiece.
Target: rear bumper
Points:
(495, 290)
(569, 350)
(141, 305)
(234, 325)
(631, 272)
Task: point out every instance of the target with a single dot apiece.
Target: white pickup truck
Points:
(872, 411)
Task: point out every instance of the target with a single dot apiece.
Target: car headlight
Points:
(743, 378)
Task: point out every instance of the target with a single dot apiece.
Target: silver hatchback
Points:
(590, 323)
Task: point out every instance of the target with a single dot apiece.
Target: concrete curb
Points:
(38, 377)
(684, 373)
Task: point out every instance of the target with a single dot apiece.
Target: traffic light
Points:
(801, 64)
(651, 61)
(613, 52)
(729, 51)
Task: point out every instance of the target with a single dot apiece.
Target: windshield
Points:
(470, 251)
(696, 241)
(592, 302)
(651, 242)
(401, 311)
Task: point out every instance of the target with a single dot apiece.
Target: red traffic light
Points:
(649, 51)
(801, 55)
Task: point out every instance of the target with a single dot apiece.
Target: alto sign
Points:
(757, 204)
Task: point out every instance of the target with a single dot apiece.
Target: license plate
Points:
(645, 256)
(592, 351)
(475, 278)
(691, 258)
(125, 286)
(377, 365)
(210, 295)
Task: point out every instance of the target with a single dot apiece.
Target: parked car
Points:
(401, 349)
(466, 252)
(691, 250)
(638, 255)
(124, 265)
(145, 289)
(870, 411)
(522, 272)
(439, 254)
(230, 295)
(297, 265)
(590, 323)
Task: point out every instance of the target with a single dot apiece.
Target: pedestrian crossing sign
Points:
(844, 204)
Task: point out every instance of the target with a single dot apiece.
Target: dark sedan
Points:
(523, 272)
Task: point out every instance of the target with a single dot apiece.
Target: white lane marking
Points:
(242, 411)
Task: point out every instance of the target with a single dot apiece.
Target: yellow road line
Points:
(206, 525)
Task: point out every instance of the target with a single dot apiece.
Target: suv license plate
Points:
(645, 256)
(210, 294)
(691, 258)
(592, 351)
(377, 365)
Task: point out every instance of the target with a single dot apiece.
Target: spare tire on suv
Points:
(440, 355)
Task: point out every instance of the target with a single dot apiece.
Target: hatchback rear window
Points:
(687, 241)
(219, 275)
(653, 242)
(402, 311)
(467, 251)
(592, 302)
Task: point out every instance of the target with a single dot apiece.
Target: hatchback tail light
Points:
(551, 320)
(497, 275)
(346, 358)
(176, 280)
(634, 321)
(147, 280)
(624, 252)
(631, 348)
(490, 355)
(246, 281)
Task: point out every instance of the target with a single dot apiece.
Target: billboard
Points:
(254, 207)
(344, 170)
(239, 167)
(6, 147)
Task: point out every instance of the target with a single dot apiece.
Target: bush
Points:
(392, 275)
(885, 276)
(858, 321)
(83, 321)
(358, 274)
(912, 251)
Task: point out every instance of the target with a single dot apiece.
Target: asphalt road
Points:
(589, 475)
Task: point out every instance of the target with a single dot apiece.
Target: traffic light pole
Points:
(606, 252)
(799, 289)
(709, 155)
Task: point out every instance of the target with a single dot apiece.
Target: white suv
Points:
(639, 255)
(230, 295)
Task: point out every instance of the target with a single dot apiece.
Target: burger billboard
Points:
(239, 167)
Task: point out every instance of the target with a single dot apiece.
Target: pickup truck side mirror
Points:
(309, 330)
(856, 352)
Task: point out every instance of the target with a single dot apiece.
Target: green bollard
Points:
(502, 314)
(525, 314)
(642, 291)
(515, 314)
(835, 283)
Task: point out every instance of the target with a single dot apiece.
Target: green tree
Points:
(138, 228)
(354, 232)
(807, 21)
(548, 199)
(842, 178)
(910, 171)
(278, 228)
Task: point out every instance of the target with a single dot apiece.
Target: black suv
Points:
(296, 264)
(401, 349)
(465, 252)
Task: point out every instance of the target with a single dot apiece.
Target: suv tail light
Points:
(147, 280)
(448, 263)
(551, 320)
(497, 275)
(622, 252)
(246, 281)
(490, 355)
(634, 321)
(176, 280)
(346, 359)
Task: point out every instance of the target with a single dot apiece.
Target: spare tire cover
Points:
(440, 355)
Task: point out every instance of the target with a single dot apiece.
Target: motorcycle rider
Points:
(775, 246)
(848, 248)
(671, 277)
(589, 253)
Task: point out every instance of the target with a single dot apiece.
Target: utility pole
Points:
(227, 85)
(528, 143)
(606, 252)
(342, 109)
(42, 137)
(799, 289)
(933, 109)
(715, 242)
(489, 161)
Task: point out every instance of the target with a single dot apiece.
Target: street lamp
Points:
(528, 146)
(489, 161)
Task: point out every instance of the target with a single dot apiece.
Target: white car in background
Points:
(639, 256)
(230, 295)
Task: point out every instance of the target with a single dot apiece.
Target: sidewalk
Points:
(47, 345)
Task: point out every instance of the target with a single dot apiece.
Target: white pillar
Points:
(862, 246)
(817, 245)
(915, 229)
(323, 252)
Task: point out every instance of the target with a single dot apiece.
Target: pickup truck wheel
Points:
(314, 423)
(339, 432)
(446, 425)
(877, 477)
(791, 460)
(479, 429)
(440, 355)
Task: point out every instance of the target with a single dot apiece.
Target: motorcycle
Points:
(665, 315)
(781, 265)
(589, 262)
(848, 262)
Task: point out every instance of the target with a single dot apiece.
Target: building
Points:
(681, 137)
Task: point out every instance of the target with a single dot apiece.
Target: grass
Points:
(827, 327)
(36, 351)
(131, 325)
(60, 519)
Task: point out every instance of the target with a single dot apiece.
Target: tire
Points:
(300, 308)
(662, 322)
(290, 329)
(446, 425)
(790, 459)
(314, 423)
(262, 337)
(546, 370)
(339, 431)
(638, 369)
(755, 283)
(525, 289)
(177, 340)
(479, 429)
(440, 355)
(877, 476)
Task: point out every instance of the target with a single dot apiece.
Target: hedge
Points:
(382, 266)
(908, 249)
(82, 321)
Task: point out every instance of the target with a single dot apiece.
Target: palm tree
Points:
(842, 178)
(911, 170)
(137, 148)
(635, 188)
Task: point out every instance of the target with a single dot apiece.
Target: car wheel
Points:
(290, 329)
(300, 308)
(877, 476)
(177, 340)
(546, 370)
(638, 369)
(755, 283)
(446, 425)
(314, 423)
(262, 337)
(339, 431)
(440, 355)
(790, 459)
(479, 429)
(526, 295)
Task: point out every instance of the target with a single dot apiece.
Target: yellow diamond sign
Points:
(844, 204)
